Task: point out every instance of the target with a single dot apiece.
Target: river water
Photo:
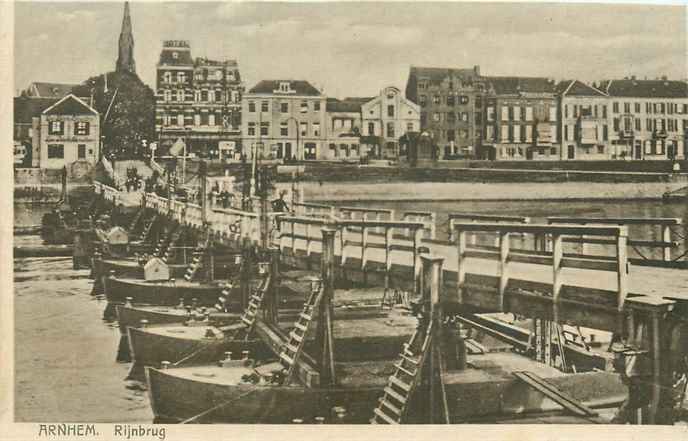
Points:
(65, 356)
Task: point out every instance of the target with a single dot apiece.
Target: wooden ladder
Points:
(403, 382)
(291, 351)
(248, 317)
(197, 260)
(169, 252)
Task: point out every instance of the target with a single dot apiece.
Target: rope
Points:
(194, 353)
(681, 256)
(206, 412)
(639, 253)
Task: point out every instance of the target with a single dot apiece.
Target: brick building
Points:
(283, 119)
(343, 129)
(584, 121)
(451, 105)
(389, 116)
(520, 119)
(648, 119)
(198, 101)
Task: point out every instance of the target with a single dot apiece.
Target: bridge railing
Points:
(428, 218)
(661, 227)
(554, 258)
(109, 193)
(454, 218)
(366, 214)
(308, 229)
(313, 210)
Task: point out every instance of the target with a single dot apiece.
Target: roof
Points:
(645, 88)
(346, 105)
(200, 61)
(25, 108)
(70, 105)
(183, 57)
(516, 85)
(50, 90)
(301, 87)
(438, 74)
(578, 88)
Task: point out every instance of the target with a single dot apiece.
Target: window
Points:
(451, 117)
(181, 77)
(605, 132)
(437, 116)
(167, 77)
(197, 119)
(616, 124)
(478, 118)
(180, 120)
(211, 119)
(627, 107)
(284, 87)
(637, 107)
(464, 116)
(505, 113)
(81, 151)
(529, 134)
(648, 124)
(390, 130)
(436, 99)
(552, 114)
(316, 129)
(284, 128)
(371, 128)
(451, 135)
(218, 96)
(55, 151)
(517, 113)
(566, 133)
(390, 111)
(56, 127)
(490, 113)
(304, 106)
(409, 127)
(251, 129)
(81, 128)
(167, 95)
(478, 102)
(316, 106)
(450, 100)
(180, 96)
(251, 106)
(661, 108)
(504, 133)
(600, 149)
(615, 107)
(648, 108)
(463, 134)
(637, 124)
(422, 100)
(566, 111)
(517, 133)
(604, 111)
(204, 98)
(264, 129)
(197, 96)
(333, 148)
(670, 108)
(304, 128)
(463, 99)
(264, 106)
(284, 107)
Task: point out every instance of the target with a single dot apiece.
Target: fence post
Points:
(325, 337)
(388, 255)
(417, 267)
(666, 237)
(622, 272)
(557, 256)
(460, 267)
(503, 267)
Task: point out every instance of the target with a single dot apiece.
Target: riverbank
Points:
(484, 191)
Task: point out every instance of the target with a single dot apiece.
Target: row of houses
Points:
(460, 112)
(54, 128)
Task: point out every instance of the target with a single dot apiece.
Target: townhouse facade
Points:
(584, 116)
(67, 132)
(388, 117)
(343, 130)
(520, 119)
(283, 119)
(198, 101)
(648, 119)
(451, 103)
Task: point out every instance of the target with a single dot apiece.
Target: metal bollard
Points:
(127, 302)
(144, 323)
(164, 365)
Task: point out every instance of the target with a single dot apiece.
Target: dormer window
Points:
(175, 55)
(284, 86)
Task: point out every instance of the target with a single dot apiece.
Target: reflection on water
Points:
(538, 211)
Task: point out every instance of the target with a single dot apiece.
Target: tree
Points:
(131, 118)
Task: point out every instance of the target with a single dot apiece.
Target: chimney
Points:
(664, 77)
(633, 77)
(476, 70)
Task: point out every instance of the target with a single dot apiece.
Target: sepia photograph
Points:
(344, 213)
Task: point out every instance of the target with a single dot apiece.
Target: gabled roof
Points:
(70, 105)
(300, 87)
(25, 108)
(346, 105)
(578, 88)
(50, 90)
(645, 88)
(438, 74)
(183, 57)
(516, 85)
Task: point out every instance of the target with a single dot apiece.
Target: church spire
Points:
(125, 59)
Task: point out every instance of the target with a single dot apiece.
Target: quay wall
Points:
(484, 191)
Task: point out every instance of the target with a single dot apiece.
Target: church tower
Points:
(125, 59)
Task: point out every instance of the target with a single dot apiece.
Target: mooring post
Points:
(275, 286)
(325, 337)
(246, 271)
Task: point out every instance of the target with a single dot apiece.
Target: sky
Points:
(353, 48)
